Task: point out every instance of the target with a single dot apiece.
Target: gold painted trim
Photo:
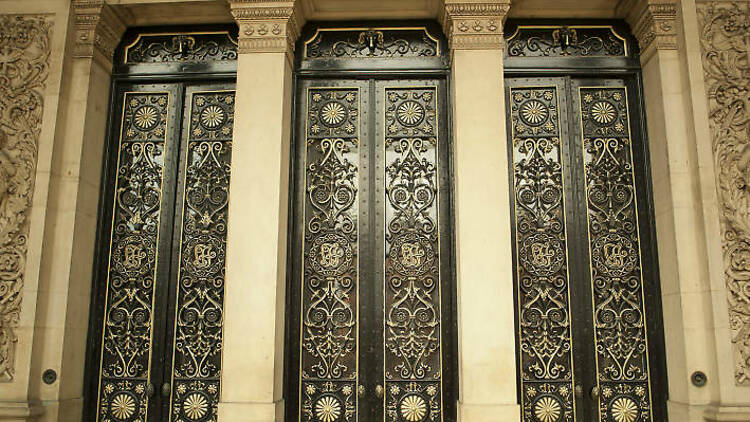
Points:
(564, 210)
(610, 27)
(162, 34)
(109, 255)
(640, 257)
(399, 28)
(187, 133)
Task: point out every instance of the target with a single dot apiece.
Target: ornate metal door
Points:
(371, 291)
(159, 351)
(585, 281)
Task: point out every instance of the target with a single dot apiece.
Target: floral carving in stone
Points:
(24, 65)
(725, 47)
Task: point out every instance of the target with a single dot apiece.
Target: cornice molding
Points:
(267, 27)
(98, 29)
(475, 26)
(654, 25)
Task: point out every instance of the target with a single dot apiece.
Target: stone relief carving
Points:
(725, 43)
(24, 65)
(475, 26)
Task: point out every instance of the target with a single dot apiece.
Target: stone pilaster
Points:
(98, 29)
(475, 26)
(267, 27)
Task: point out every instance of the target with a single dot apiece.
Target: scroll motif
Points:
(614, 243)
(182, 47)
(380, 42)
(329, 337)
(199, 317)
(128, 317)
(562, 41)
(412, 337)
(726, 66)
(24, 67)
(543, 287)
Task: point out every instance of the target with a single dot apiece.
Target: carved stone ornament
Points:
(655, 27)
(98, 29)
(266, 29)
(725, 44)
(475, 26)
(24, 66)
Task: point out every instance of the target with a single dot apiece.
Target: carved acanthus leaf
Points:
(725, 46)
(24, 66)
(475, 26)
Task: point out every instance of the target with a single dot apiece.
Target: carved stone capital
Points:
(98, 29)
(654, 25)
(475, 26)
(267, 27)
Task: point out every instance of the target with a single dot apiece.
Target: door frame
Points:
(377, 69)
(195, 73)
(629, 69)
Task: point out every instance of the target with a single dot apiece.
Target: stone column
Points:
(487, 358)
(253, 355)
(683, 265)
(72, 208)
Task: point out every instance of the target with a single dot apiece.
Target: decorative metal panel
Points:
(199, 313)
(412, 291)
(543, 288)
(128, 318)
(182, 47)
(371, 42)
(614, 248)
(330, 285)
(562, 41)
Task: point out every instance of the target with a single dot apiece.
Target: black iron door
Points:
(159, 343)
(371, 291)
(585, 281)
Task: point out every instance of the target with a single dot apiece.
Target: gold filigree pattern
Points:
(182, 47)
(330, 282)
(412, 274)
(543, 288)
(128, 317)
(620, 338)
(25, 51)
(724, 26)
(199, 318)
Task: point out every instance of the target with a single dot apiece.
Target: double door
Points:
(586, 294)
(158, 335)
(371, 332)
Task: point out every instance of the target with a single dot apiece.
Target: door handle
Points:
(166, 389)
(361, 390)
(150, 390)
(578, 391)
(379, 391)
(595, 392)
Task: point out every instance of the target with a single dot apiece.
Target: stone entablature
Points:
(98, 29)
(654, 24)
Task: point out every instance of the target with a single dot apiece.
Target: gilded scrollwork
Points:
(131, 278)
(370, 43)
(329, 372)
(182, 47)
(199, 317)
(24, 68)
(561, 41)
(412, 274)
(725, 46)
(620, 338)
(544, 323)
